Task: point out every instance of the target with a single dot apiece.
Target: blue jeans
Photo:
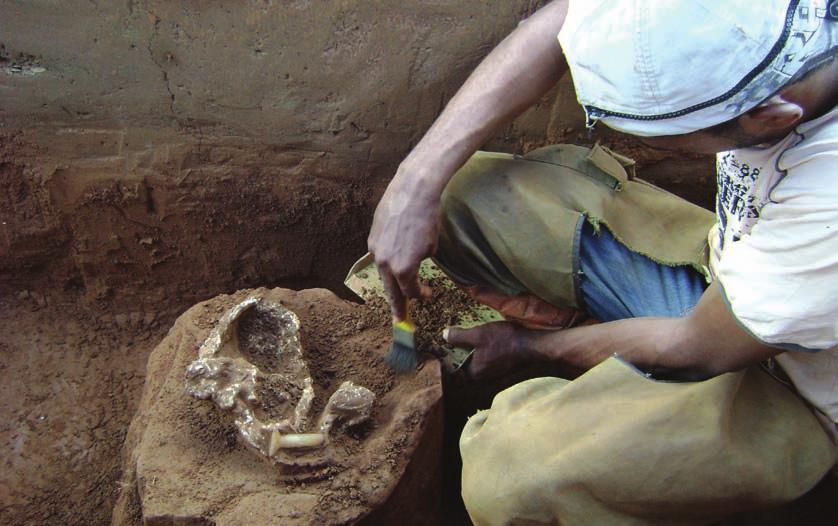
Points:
(616, 283)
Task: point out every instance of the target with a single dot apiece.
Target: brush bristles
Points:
(402, 356)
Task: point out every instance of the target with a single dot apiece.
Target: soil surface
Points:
(184, 463)
(69, 384)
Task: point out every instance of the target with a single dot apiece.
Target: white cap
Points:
(669, 67)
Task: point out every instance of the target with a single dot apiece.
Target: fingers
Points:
(464, 338)
(400, 286)
(408, 281)
(496, 347)
(404, 231)
(398, 301)
(457, 337)
(399, 240)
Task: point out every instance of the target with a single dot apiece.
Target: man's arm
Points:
(514, 76)
(518, 72)
(706, 342)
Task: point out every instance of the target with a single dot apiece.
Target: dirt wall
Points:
(171, 150)
(342, 76)
(167, 151)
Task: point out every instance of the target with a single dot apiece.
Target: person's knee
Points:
(462, 249)
(466, 186)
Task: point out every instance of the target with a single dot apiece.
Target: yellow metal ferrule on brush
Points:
(405, 325)
(402, 356)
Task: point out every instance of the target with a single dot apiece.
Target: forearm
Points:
(655, 345)
(518, 72)
(706, 342)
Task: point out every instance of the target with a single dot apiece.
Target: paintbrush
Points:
(402, 356)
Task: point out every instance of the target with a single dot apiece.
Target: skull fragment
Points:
(270, 400)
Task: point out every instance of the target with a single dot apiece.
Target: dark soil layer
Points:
(198, 220)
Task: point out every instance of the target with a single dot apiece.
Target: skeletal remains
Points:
(222, 373)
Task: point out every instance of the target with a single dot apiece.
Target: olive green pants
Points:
(512, 223)
(611, 447)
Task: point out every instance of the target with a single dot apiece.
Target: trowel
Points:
(363, 279)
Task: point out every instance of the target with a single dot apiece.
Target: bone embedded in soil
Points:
(223, 374)
(291, 415)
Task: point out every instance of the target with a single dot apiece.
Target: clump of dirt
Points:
(273, 402)
(443, 308)
(257, 335)
(189, 448)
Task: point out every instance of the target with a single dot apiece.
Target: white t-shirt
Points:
(775, 251)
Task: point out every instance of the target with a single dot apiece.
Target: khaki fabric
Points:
(611, 447)
(614, 447)
(511, 223)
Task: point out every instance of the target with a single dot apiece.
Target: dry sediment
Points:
(184, 462)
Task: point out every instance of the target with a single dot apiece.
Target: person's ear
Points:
(772, 115)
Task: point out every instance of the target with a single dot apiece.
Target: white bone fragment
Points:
(295, 441)
(223, 373)
(351, 403)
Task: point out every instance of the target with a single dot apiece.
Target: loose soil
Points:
(431, 315)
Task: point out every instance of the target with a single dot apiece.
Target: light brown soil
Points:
(184, 458)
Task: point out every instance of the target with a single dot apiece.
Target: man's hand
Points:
(518, 72)
(404, 231)
(706, 342)
(498, 348)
